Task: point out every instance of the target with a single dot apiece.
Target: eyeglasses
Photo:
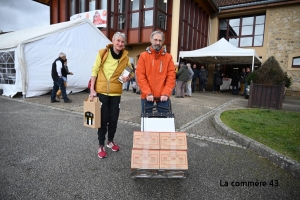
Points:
(119, 33)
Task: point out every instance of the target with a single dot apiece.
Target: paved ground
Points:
(47, 153)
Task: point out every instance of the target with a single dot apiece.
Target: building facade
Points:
(271, 27)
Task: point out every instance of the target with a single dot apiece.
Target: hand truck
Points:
(158, 122)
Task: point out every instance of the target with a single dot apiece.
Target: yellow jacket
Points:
(108, 72)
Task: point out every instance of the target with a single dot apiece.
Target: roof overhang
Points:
(45, 2)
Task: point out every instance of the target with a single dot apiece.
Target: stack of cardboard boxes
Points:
(159, 150)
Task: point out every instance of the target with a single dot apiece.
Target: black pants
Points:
(194, 81)
(110, 110)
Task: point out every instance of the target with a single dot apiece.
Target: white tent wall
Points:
(80, 43)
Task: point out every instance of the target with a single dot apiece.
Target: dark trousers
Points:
(128, 84)
(194, 81)
(217, 88)
(58, 83)
(202, 85)
(234, 89)
(110, 110)
(180, 89)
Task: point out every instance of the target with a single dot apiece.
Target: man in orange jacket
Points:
(156, 73)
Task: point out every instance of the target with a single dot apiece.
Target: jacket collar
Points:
(125, 52)
(162, 51)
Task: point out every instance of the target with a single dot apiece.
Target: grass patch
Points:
(279, 130)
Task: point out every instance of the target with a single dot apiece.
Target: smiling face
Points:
(118, 42)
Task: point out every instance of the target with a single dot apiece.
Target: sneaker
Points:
(102, 153)
(113, 146)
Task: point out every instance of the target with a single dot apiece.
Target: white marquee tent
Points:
(26, 56)
(222, 52)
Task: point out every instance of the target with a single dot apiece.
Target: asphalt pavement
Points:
(47, 153)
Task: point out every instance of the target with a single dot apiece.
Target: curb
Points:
(278, 159)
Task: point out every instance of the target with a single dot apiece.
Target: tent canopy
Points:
(31, 53)
(221, 52)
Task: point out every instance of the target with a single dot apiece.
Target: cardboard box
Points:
(173, 140)
(173, 159)
(144, 159)
(145, 140)
(92, 113)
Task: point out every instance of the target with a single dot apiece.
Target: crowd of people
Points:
(156, 77)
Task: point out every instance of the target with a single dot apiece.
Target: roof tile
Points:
(221, 3)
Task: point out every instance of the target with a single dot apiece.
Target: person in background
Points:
(176, 70)
(156, 74)
(195, 77)
(246, 84)
(242, 81)
(235, 82)
(182, 76)
(189, 82)
(217, 80)
(58, 72)
(108, 66)
(203, 79)
(58, 93)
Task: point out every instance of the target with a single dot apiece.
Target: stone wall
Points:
(284, 39)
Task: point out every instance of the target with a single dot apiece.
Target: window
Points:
(103, 4)
(296, 62)
(7, 67)
(92, 5)
(72, 7)
(134, 21)
(148, 18)
(82, 6)
(135, 5)
(121, 14)
(121, 21)
(122, 6)
(148, 4)
(162, 5)
(161, 18)
(193, 26)
(243, 31)
(134, 16)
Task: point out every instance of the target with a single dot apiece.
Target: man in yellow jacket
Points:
(155, 73)
(108, 67)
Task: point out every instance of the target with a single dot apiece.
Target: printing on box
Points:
(173, 140)
(145, 140)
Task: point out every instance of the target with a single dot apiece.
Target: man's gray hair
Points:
(61, 54)
(157, 32)
(189, 64)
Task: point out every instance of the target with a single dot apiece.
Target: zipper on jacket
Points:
(161, 65)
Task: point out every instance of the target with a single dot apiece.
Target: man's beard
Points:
(156, 47)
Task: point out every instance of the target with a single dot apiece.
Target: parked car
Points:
(248, 92)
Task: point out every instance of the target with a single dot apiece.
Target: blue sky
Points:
(22, 14)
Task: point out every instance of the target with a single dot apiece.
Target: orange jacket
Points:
(155, 73)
